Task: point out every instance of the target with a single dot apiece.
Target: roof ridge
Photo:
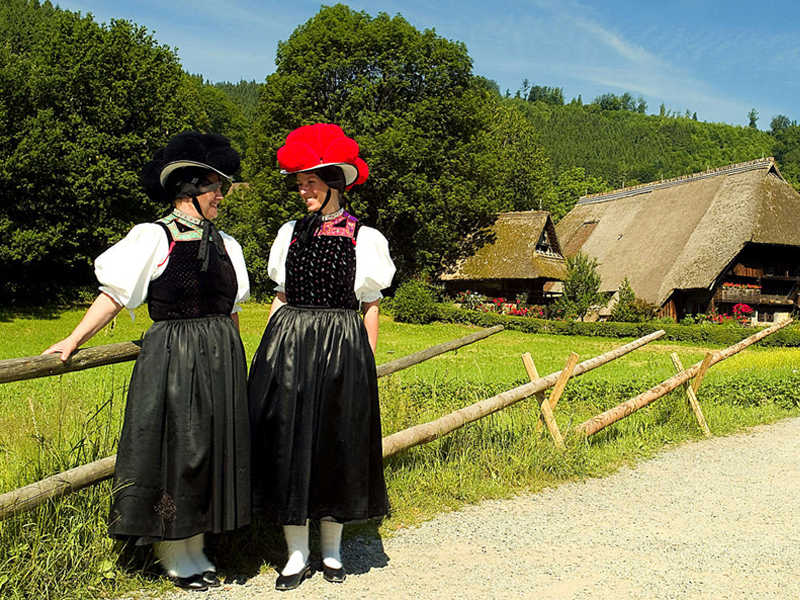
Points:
(645, 188)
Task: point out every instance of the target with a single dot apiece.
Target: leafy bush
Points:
(469, 299)
(629, 308)
(414, 302)
(753, 390)
(581, 288)
(387, 305)
(697, 334)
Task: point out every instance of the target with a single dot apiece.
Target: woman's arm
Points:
(371, 322)
(100, 314)
(280, 300)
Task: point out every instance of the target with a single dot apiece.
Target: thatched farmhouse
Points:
(521, 256)
(696, 243)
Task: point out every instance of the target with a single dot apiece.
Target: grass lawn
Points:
(51, 424)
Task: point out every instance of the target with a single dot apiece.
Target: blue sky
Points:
(717, 58)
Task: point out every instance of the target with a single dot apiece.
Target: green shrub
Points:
(705, 334)
(581, 288)
(387, 305)
(754, 390)
(414, 302)
(629, 308)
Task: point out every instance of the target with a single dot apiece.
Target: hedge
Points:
(709, 334)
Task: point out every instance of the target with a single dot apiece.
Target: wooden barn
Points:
(521, 256)
(692, 244)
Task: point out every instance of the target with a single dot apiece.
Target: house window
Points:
(544, 246)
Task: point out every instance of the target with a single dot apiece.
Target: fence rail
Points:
(20, 369)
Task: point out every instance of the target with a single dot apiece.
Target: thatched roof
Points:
(512, 250)
(682, 233)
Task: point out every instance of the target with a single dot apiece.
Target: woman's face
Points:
(209, 201)
(313, 190)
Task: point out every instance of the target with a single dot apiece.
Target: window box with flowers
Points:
(738, 292)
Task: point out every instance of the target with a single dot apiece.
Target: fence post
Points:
(544, 405)
(690, 392)
(702, 372)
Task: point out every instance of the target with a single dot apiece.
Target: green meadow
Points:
(51, 424)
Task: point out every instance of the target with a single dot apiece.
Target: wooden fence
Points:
(28, 497)
(20, 369)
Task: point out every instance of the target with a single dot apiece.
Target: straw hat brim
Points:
(350, 171)
(180, 164)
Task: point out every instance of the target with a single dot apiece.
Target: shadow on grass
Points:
(31, 313)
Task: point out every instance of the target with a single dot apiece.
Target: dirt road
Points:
(707, 520)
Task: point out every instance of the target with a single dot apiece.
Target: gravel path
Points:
(708, 520)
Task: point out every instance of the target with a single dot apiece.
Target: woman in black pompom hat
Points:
(183, 464)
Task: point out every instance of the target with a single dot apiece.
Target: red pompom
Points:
(297, 157)
(311, 146)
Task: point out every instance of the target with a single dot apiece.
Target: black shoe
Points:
(333, 575)
(210, 577)
(193, 582)
(291, 582)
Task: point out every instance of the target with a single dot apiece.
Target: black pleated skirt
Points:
(313, 393)
(183, 463)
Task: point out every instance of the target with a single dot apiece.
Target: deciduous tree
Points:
(425, 124)
(82, 107)
(581, 287)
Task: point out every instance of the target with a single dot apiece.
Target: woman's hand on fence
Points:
(100, 314)
(66, 347)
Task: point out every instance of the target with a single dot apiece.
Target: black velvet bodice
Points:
(322, 272)
(184, 291)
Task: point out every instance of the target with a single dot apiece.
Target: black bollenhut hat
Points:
(188, 154)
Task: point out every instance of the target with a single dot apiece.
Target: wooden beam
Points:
(30, 496)
(625, 409)
(427, 432)
(701, 374)
(418, 357)
(31, 367)
(544, 405)
(690, 393)
(533, 374)
(563, 378)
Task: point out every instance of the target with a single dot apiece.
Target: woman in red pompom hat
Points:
(313, 389)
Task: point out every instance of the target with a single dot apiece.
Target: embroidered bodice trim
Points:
(345, 226)
(183, 227)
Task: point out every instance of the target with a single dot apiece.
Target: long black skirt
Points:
(313, 394)
(183, 463)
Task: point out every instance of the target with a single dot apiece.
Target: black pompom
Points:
(151, 174)
(210, 149)
(185, 146)
(223, 158)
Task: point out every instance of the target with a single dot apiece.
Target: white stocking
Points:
(196, 544)
(297, 548)
(330, 534)
(174, 557)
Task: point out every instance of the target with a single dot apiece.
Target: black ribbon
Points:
(309, 226)
(210, 232)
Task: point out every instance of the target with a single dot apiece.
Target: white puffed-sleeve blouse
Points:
(126, 269)
(374, 266)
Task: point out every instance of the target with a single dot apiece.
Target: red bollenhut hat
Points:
(322, 145)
